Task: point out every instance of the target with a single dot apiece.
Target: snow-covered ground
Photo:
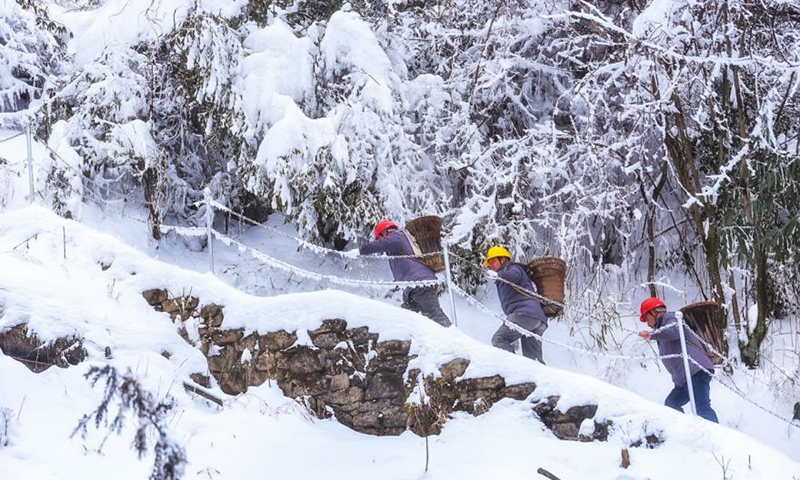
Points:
(265, 433)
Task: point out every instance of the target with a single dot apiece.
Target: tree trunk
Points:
(652, 203)
(751, 350)
(150, 196)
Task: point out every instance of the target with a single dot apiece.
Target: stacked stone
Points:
(24, 346)
(348, 373)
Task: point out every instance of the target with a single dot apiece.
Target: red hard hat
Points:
(383, 225)
(648, 305)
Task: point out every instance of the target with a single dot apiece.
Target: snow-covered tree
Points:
(31, 49)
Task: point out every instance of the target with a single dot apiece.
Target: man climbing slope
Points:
(654, 313)
(520, 308)
(389, 239)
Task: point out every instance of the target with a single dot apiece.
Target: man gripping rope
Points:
(520, 308)
(654, 313)
(389, 239)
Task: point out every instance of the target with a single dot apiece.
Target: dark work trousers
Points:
(679, 396)
(504, 337)
(424, 300)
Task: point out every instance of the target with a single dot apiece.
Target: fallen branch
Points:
(547, 474)
(191, 388)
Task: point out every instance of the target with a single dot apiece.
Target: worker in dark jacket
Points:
(392, 241)
(520, 308)
(667, 335)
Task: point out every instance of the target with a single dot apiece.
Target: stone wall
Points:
(354, 376)
(24, 346)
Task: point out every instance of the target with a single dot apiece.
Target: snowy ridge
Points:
(96, 293)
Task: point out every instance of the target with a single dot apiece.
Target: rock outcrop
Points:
(354, 376)
(25, 346)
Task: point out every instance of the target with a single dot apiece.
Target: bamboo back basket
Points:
(428, 233)
(700, 317)
(549, 273)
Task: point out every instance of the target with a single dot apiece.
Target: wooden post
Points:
(448, 274)
(679, 317)
(28, 136)
(626, 458)
(209, 228)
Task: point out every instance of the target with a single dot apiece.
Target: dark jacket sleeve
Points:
(389, 245)
(668, 328)
(512, 274)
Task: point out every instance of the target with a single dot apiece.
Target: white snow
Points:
(53, 274)
(56, 297)
(277, 65)
(127, 22)
(350, 47)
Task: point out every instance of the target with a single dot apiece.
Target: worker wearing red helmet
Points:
(389, 239)
(654, 313)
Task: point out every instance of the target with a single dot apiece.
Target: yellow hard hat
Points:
(496, 252)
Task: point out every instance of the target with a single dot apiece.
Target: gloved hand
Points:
(491, 274)
(351, 253)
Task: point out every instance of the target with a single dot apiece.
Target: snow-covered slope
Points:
(96, 293)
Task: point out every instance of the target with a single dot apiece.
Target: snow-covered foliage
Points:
(103, 132)
(633, 139)
(31, 50)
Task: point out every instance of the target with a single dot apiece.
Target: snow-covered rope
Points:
(729, 361)
(738, 392)
(553, 302)
(710, 348)
(187, 231)
(281, 265)
(531, 293)
(12, 137)
(311, 246)
(480, 306)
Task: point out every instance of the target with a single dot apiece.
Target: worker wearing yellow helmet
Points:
(521, 309)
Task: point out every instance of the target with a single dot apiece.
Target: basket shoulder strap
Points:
(702, 348)
(417, 251)
(414, 244)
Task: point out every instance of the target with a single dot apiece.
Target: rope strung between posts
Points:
(12, 137)
(311, 246)
(328, 251)
(281, 265)
(522, 290)
(735, 389)
(588, 313)
(525, 333)
(186, 231)
(729, 361)
(725, 361)
(273, 262)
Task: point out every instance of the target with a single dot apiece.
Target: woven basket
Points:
(549, 273)
(428, 233)
(701, 317)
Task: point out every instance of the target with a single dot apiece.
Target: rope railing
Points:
(271, 261)
(12, 137)
(311, 246)
(738, 392)
(526, 333)
(280, 264)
